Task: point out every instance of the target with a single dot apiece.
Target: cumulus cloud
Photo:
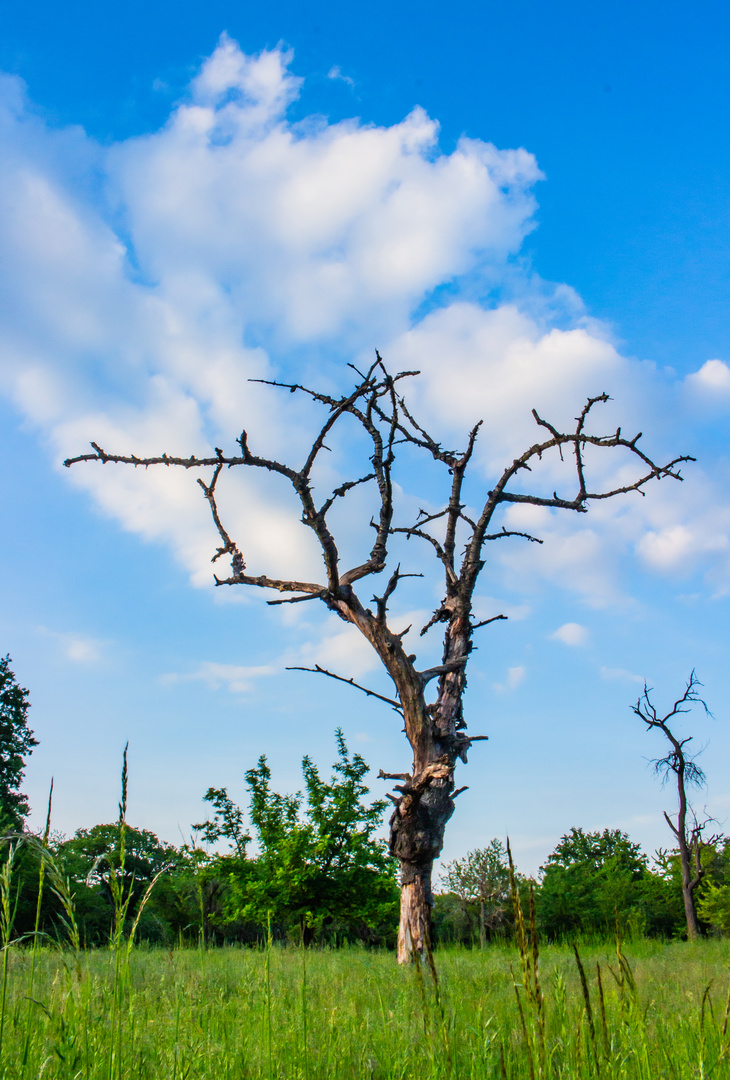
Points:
(570, 633)
(140, 306)
(712, 378)
(507, 364)
(687, 530)
(149, 281)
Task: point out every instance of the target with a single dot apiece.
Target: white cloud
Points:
(571, 633)
(341, 649)
(336, 73)
(235, 678)
(712, 378)
(515, 675)
(688, 529)
(147, 283)
(497, 365)
(77, 647)
(132, 300)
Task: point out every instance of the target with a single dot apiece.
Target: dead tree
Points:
(435, 728)
(688, 831)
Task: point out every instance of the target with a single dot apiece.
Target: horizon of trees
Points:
(593, 885)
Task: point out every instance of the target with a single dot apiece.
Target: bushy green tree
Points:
(591, 881)
(320, 867)
(16, 742)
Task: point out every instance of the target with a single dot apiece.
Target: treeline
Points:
(320, 874)
(593, 885)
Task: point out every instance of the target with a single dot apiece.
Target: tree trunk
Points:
(685, 851)
(425, 804)
(690, 911)
(416, 838)
(482, 924)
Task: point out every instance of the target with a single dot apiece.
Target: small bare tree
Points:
(457, 537)
(688, 830)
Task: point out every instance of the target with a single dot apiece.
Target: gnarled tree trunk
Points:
(426, 800)
(416, 838)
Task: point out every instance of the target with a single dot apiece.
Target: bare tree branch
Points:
(486, 622)
(442, 669)
(512, 532)
(297, 599)
(317, 670)
(264, 582)
(382, 601)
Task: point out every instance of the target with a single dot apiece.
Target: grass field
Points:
(283, 1012)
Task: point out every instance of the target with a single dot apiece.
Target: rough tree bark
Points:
(687, 833)
(436, 730)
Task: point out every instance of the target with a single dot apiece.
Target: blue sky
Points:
(538, 193)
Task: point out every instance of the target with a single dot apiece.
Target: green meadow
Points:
(645, 1010)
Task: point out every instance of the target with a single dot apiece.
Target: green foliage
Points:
(320, 869)
(227, 823)
(16, 742)
(480, 882)
(452, 921)
(92, 861)
(592, 883)
(713, 901)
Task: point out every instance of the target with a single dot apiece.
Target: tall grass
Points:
(250, 1013)
(36, 928)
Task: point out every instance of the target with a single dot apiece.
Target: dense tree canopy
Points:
(598, 882)
(16, 742)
